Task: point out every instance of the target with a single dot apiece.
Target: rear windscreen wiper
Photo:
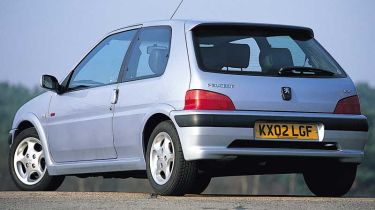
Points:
(304, 71)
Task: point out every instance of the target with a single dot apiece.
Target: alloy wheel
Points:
(162, 158)
(29, 162)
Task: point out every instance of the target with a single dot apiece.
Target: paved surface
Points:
(114, 200)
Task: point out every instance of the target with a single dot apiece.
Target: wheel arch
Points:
(150, 124)
(25, 124)
(28, 120)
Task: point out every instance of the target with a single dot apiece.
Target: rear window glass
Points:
(252, 51)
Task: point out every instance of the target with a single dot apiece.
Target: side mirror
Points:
(50, 83)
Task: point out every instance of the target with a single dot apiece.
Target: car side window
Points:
(150, 54)
(102, 65)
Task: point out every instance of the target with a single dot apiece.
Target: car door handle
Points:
(114, 96)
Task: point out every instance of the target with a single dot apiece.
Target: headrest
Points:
(273, 59)
(226, 55)
(158, 60)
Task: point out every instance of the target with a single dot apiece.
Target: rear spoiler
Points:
(263, 29)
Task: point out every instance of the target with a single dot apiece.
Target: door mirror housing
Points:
(50, 83)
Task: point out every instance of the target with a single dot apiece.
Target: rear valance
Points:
(345, 123)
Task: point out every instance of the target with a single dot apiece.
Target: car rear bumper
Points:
(223, 134)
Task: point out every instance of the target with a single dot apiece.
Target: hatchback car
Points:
(180, 102)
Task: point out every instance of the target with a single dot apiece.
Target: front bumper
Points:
(209, 134)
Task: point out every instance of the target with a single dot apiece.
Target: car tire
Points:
(27, 163)
(201, 183)
(333, 180)
(167, 170)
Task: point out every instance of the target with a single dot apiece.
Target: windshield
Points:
(261, 52)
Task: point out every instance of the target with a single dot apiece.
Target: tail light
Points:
(207, 100)
(349, 105)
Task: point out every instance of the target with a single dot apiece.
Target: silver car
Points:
(179, 102)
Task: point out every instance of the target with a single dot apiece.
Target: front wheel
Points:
(333, 180)
(27, 163)
(167, 170)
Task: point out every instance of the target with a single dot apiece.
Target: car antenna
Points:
(176, 9)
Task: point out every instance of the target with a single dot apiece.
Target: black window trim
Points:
(308, 32)
(131, 48)
(120, 79)
(66, 81)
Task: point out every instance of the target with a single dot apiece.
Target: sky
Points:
(51, 37)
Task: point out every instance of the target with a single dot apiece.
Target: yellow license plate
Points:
(298, 131)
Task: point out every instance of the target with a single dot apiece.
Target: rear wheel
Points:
(200, 184)
(27, 163)
(330, 180)
(167, 170)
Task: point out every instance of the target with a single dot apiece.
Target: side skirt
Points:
(97, 166)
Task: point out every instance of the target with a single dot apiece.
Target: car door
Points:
(80, 120)
(141, 87)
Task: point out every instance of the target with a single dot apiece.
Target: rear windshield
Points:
(262, 51)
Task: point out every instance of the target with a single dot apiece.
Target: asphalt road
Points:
(115, 200)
